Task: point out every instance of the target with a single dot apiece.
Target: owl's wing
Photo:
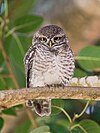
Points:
(28, 61)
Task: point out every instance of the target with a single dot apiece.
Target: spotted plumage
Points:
(49, 61)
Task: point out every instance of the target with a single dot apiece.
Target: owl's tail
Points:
(42, 107)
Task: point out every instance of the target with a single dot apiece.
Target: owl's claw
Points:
(56, 85)
(49, 86)
(59, 85)
(29, 103)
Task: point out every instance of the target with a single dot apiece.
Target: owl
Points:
(49, 61)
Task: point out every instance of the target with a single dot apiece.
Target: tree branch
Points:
(9, 98)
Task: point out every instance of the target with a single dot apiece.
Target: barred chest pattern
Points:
(49, 61)
(51, 67)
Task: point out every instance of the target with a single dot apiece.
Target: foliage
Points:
(1, 122)
(70, 116)
(89, 58)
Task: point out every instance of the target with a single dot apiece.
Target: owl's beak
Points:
(50, 44)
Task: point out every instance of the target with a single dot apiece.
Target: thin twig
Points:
(76, 116)
(78, 125)
(79, 115)
(66, 114)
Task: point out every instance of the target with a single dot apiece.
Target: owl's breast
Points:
(52, 75)
(49, 69)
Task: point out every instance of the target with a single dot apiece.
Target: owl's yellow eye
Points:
(57, 39)
(43, 39)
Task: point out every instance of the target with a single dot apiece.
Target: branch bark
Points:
(9, 98)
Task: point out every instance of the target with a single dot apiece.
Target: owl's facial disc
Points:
(50, 37)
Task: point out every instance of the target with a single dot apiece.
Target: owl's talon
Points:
(56, 85)
(49, 86)
(29, 103)
(59, 85)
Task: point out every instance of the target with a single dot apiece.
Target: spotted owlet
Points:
(49, 61)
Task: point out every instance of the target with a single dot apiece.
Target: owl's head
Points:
(51, 36)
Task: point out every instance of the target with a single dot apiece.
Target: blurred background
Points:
(18, 22)
(80, 19)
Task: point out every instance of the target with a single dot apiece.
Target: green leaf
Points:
(6, 83)
(2, 84)
(63, 122)
(89, 58)
(23, 127)
(4, 69)
(7, 43)
(18, 106)
(79, 73)
(1, 122)
(16, 55)
(1, 58)
(72, 106)
(43, 120)
(26, 41)
(18, 8)
(59, 103)
(27, 23)
(9, 83)
(55, 128)
(42, 129)
(20, 76)
(77, 130)
(90, 126)
(10, 111)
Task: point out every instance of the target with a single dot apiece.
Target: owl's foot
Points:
(42, 107)
(59, 85)
(56, 85)
(49, 86)
(29, 103)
